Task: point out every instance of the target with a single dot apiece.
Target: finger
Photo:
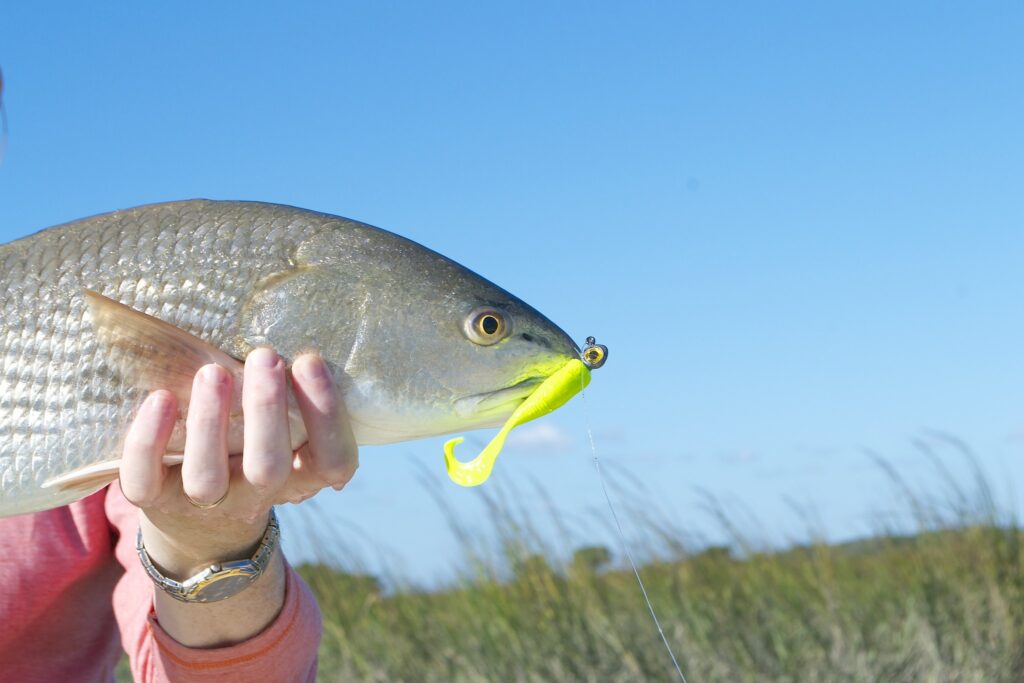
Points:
(204, 472)
(334, 455)
(267, 452)
(142, 469)
(304, 482)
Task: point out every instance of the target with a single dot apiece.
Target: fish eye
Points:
(486, 326)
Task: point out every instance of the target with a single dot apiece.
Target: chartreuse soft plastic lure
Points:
(565, 383)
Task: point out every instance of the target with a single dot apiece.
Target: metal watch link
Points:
(221, 580)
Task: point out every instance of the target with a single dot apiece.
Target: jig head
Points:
(594, 355)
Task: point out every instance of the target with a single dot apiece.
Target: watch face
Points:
(229, 580)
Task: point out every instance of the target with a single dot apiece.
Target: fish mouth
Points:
(496, 403)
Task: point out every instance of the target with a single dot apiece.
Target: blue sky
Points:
(798, 228)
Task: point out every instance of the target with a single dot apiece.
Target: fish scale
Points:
(388, 315)
(69, 407)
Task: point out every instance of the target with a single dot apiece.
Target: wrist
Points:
(180, 550)
(226, 622)
(218, 580)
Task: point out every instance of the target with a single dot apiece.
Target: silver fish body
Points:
(390, 317)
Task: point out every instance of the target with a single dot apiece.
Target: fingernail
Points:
(159, 401)
(213, 374)
(262, 358)
(315, 369)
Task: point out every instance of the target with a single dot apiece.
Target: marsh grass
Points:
(942, 600)
(938, 599)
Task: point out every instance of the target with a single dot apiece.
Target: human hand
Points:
(183, 538)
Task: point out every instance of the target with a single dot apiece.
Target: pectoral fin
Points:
(152, 354)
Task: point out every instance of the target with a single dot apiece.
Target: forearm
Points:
(224, 622)
(284, 650)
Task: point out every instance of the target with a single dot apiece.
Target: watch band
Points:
(221, 580)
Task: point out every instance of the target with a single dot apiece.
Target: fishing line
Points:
(3, 120)
(622, 537)
(3, 130)
(3, 126)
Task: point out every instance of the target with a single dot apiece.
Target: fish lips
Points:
(498, 403)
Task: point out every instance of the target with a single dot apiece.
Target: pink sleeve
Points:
(285, 651)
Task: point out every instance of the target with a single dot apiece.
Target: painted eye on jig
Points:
(594, 355)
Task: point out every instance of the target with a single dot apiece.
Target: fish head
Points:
(501, 350)
(451, 351)
(420, 345)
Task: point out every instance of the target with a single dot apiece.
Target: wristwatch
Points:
(221, 580)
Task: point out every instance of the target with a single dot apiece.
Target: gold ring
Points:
(205, 506)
